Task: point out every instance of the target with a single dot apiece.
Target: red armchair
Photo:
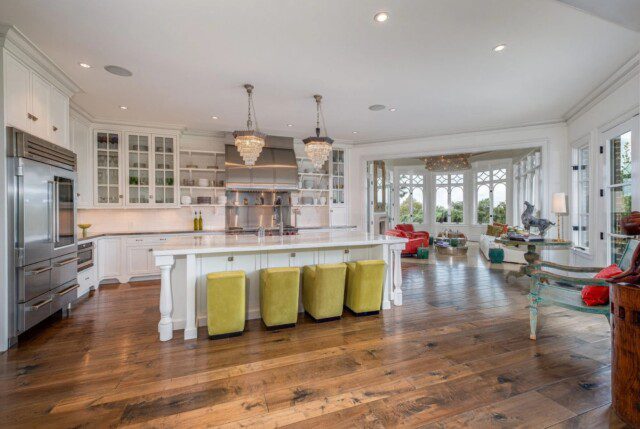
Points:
(411, 233)
(411, 248)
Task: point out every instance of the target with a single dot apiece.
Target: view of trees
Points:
(405, 214)
(483, 212)
(457, 209)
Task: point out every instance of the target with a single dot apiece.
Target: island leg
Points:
(165, 326)
(387, 256)
(191, 329)
(397, 273)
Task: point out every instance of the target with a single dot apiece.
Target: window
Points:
(411, 193)
(527, 184)
(491, 196)
(581, 188)
(449, 198)
(619, 185)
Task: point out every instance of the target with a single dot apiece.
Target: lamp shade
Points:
(559, 203)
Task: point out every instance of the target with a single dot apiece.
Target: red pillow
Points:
(599, 295)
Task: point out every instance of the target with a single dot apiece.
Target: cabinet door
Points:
(164, 148)
(39, 108)
(138, 261)
(338, 216)
(138, 176)
(108, 258)
(81, 145)
(107, 162)
(16, 79)
(58, 118)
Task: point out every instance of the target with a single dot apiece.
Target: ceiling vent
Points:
(118, 71)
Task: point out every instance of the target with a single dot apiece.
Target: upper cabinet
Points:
(33, 104)
(108, 190)
(338, 215)
(81, 145)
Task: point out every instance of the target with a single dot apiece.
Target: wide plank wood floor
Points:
(456, 354)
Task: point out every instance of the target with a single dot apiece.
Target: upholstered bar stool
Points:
(225, 304)
(279, 291)
(323, 291)
(365, 280)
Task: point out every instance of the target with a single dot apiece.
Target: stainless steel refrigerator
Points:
(42, 232)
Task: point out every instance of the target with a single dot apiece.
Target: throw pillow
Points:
(504, 226)
(599, 295)
(494, 231)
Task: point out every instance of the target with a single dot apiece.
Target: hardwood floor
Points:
(456, 354)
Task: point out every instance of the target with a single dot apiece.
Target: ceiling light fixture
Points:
(448, 162)
(393, 109)
(499, 48)
(123, 107)
(289, 125)
(85, 65)
(250, 141)
(354, 132)
(318, 148)
(381, 16)
(214, 117)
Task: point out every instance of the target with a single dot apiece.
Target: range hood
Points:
(275, 169)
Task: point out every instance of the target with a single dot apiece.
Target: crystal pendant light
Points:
(318, 148)
(251, 141)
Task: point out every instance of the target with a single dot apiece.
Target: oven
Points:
(85, 256)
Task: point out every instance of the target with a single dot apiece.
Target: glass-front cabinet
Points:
(337, 207)
(135, 169)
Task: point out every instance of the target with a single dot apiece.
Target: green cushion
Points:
(279, 290)
(496, 256)
(365, 280)
(323, 290)
(225, 302)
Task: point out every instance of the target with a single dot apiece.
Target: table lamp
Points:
(559, 207)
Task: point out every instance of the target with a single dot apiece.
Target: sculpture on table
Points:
(529, 220)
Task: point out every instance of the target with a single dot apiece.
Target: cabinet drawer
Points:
(64, 295)
(87, 279)
(64, 269)
(34, 280)
(143, 241)
(34, 311)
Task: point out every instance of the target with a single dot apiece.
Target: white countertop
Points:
(247, 243)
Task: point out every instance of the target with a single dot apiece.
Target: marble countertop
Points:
(187, 232)
(247, 243)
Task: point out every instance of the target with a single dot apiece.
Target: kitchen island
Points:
(184, 263)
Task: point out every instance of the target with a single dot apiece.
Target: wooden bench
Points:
(564, 290)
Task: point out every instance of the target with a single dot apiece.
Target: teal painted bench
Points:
(564, 290)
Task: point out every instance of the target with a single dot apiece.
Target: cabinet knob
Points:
(54, 128)
(120, 196)
(293, 255)
(34, 118)
(78, 194)
(230, 259)
(346, 251)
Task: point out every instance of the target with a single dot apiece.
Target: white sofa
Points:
(513, 255)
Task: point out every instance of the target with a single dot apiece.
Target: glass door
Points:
(621, 153)
(65, 213)
(337, 177)
(138, 151)
(108, 168)
(165, 154)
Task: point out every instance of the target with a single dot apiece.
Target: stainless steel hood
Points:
(275, 169)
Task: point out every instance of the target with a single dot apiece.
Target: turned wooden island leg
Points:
(165, 326)
(397, 273)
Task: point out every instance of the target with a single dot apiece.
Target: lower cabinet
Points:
(87, 280)
(124, 258)
(109, 258)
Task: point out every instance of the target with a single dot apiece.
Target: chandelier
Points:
(251, 141)
(318, 148)
(447, 162)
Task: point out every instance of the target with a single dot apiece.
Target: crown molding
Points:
(14, 41)
(629, 70)
(205, 133)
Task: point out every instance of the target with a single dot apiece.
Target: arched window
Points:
(491, 196)
(411, 196)
(449, 198)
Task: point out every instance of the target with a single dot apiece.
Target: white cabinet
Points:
(87, 280)
(107, 161)
(139, 261)
(337, 204)
(338, 215)
(17, 81)
(81, 145)
(58, 118)
(109, 258)
(33, 104)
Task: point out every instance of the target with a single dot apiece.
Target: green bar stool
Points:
(323, 291)
(225, 304)
(279, 291)
(365, 280)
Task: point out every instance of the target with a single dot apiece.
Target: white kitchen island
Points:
(184, 263)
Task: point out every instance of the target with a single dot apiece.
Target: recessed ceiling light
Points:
(393, 109)
(354, 132)
(214, 117)
(118, 71)
(85, 65)
(123, 107)
(381, 16)
(499, 48)
(376, 107)
(289, 125)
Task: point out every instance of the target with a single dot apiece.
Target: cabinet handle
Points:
(120, 196)
(230, 259)
(346, 251)
(34, 118)
(55, 128)
(293, 255)
(39, 305)
(67, 290)
(39, 271)
(66, 262)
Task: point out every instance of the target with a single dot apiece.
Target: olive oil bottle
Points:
(195, 221)
(200, 221)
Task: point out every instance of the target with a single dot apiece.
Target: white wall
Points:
(551, 138)
(612, 108)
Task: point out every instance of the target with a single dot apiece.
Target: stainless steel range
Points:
(42, 212)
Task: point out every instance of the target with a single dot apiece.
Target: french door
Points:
(622, 170)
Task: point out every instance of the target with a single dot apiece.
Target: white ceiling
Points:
(433, 60)
(623, 12)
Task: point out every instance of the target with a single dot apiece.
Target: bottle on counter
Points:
(195, 221)
(200, 221)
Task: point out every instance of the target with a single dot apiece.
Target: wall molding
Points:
(629, 70)
(14, 41)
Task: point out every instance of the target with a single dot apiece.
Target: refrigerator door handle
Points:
(51, 192)
(56, 210)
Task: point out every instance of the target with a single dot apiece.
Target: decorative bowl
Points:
(84, 227)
